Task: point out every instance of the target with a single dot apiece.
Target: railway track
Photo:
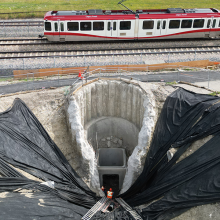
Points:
(23, 42)
(107, 52)
(34, 41)
(12, 45)
(21, 23)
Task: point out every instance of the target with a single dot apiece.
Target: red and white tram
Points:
(99, 25)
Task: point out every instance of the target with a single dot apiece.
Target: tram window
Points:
(158, 24)
(109, 26)
(174, 24)
(72, 26)
(98, 26)
(213, 24)
(198, 23)
(186, 23)
(125, 25)
(148, 24)
(61, 26)
(55, 26)
(219, 23)
(114, 26)
(47, 26)
(208, 23)
(85, 26)
(164, 25)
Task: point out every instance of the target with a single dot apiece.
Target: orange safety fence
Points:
(110, 68)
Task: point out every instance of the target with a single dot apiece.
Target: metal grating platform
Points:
(128, 208)
(102, 205)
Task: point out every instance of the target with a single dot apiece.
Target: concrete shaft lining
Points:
(114, 103)
(111, 157)
(111, 98)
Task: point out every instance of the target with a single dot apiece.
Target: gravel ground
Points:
(43, 63)
(21, 31)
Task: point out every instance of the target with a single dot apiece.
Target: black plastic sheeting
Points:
(195, 180)
(25, 144)
(176, 187)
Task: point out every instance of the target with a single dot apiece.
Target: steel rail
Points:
(107, 52)
(21, 22)
(17, 40)
(108, 49)
(67, 43)
(22, 25)
(20, 39)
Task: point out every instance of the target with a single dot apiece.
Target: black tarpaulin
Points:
(38, 206)
(25, 144)
(176, 187)
(185, 118)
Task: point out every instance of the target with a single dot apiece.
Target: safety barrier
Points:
(113, 68)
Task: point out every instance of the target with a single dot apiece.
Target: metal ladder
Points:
(102, 204)
(128, 208)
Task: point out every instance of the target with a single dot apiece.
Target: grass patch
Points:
(171, 83)
(29, 79)
(190, 69)
(214, 93)
(30, 6)
(5, 79)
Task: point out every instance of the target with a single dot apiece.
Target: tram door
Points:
(211, 25)
(56, 33)
(161, 27)
(61, 29)
(112, 28)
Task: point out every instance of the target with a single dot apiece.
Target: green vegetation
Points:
(190, 69)
(5, 79)
(171, 83)
(29, 79)
(37, 8)
(214, 93)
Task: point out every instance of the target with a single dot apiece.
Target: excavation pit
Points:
(110, 117)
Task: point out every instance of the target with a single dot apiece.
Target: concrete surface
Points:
(214, 85)
(112, 161)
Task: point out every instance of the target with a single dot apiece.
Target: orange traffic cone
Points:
(80, 75)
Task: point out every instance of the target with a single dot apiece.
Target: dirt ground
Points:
(48, 106)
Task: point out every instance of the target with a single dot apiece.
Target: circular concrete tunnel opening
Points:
(111, 123)
(112, 132)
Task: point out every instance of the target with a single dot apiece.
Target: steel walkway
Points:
(101, 205)
(128, 208)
